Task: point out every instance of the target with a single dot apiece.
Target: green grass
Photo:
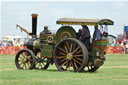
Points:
(113, 72)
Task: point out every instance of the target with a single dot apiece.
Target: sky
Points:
(19, 12)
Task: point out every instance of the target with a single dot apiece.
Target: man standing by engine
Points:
(46, 31)
(42, 34)
(85, 36)
(97, 33)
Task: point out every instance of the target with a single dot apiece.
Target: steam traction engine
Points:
(63, 48)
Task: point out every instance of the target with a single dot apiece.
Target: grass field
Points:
(113, 72)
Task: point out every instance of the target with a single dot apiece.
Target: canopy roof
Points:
(75, 21)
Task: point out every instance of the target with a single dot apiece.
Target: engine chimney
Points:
(34, 25)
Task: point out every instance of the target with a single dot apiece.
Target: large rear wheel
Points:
(70, 55)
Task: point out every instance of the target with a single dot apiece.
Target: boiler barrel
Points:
(33, 44)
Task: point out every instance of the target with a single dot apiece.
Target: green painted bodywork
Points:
(37, 44)
(63, 29)
(47, 50)
(48, 41)
(98, 45)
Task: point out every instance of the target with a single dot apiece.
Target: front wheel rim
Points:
(41, 62)
(25, 59)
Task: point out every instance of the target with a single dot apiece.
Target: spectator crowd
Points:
(124, 45)
(117, 48)
(11, 47)
(12, 43)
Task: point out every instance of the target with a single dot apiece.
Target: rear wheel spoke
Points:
(69, 66)
(66, 49)
(75, 50)
(61, 57)
(77, 61)
(74, 46)
(62, 50)
(62, 53)
(63, 63)
(71, 47)
(72, 66)
(75, 65)
(63, 60)
(77, 55)
(67, 45)
(66, 65)
(78, 51)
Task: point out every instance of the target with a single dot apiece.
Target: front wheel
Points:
(41, 62)
(25, 59)
(70, 54)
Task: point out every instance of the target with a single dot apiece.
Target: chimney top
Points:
(34, 15)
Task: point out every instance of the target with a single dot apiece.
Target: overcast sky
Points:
(19, 12)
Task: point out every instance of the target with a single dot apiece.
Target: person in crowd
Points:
(5, 43)
(117, 43)
(10, 43)
(124, 41)
(113, 44)
(18, 43)
(123, 46)
(126, 47)
(1, 44)
(97, 33)
(85, 36)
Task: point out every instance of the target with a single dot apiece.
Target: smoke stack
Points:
(34, 25)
